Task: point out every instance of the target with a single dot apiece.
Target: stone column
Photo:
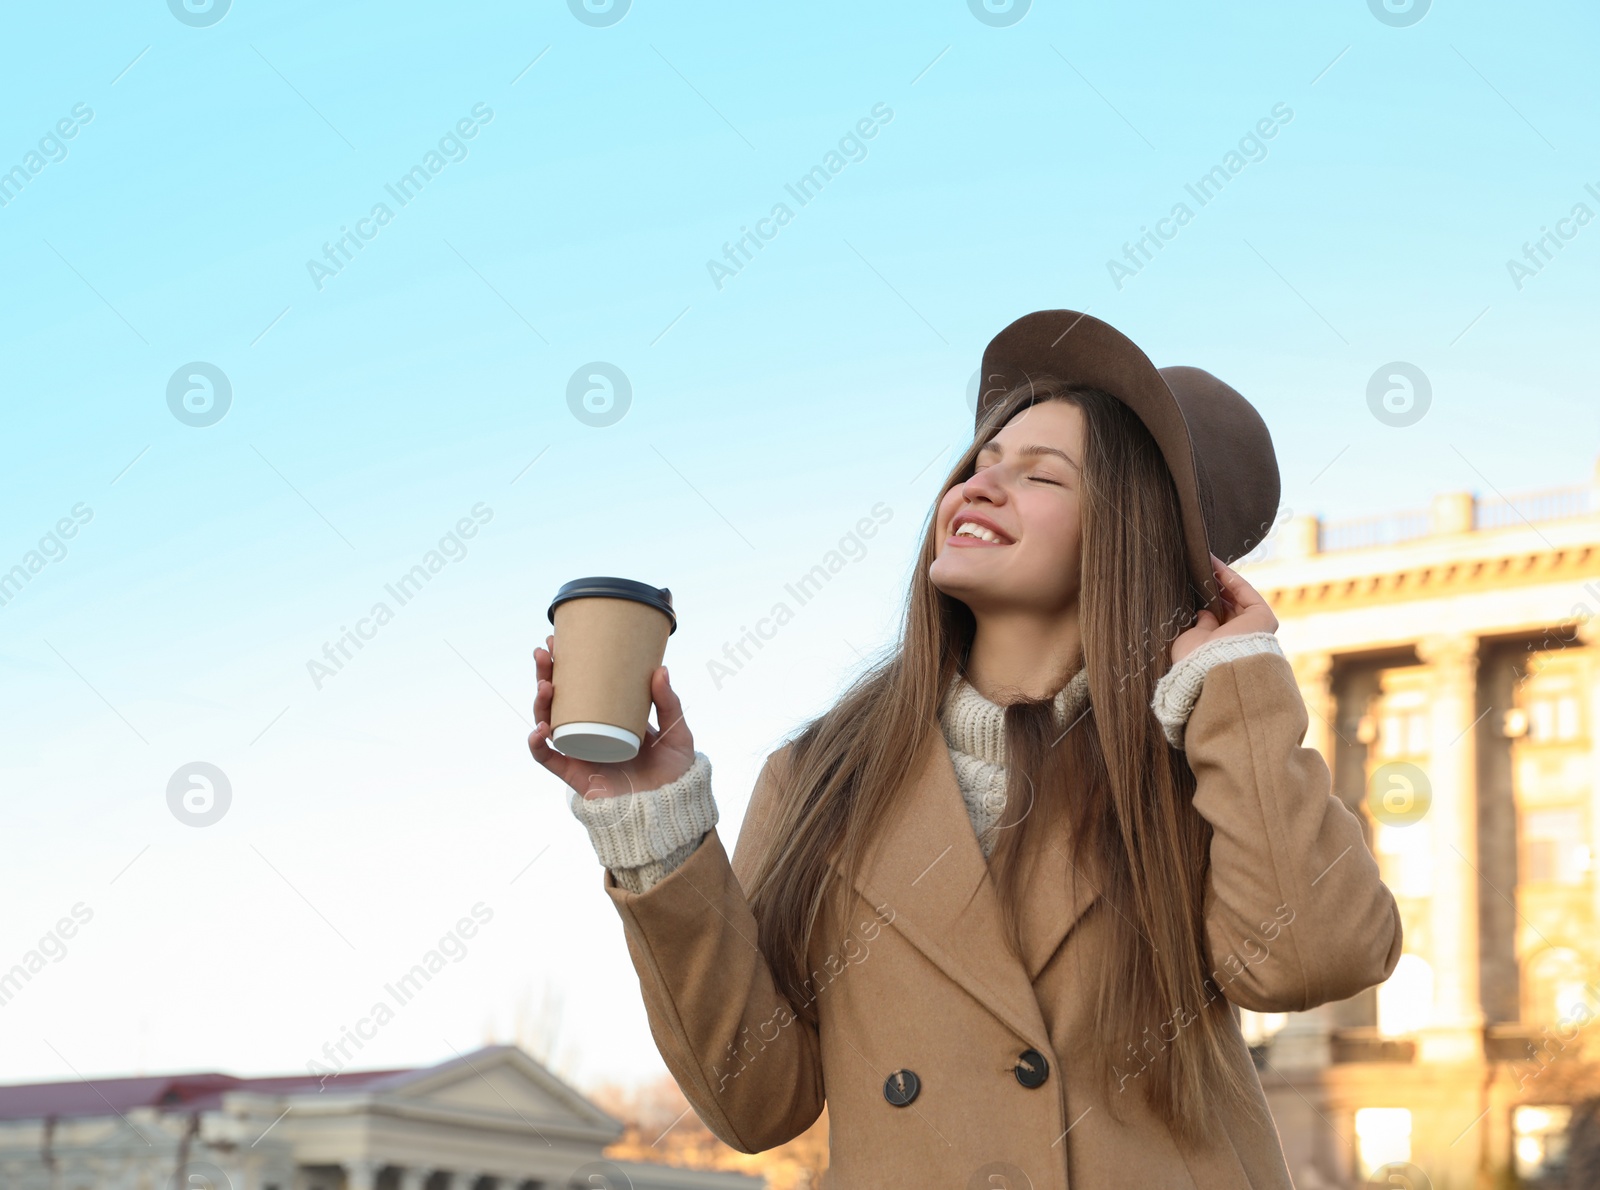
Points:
(414, 1177)
(1589, 637)
(1305, 1041)
(361, 1173)
(463, 1179)
(1455, 1031)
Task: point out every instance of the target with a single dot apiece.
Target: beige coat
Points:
(1296, 915)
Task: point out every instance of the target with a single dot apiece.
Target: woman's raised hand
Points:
(665, 755)
(1246, 612)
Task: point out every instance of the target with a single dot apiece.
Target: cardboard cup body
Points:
(606, 650)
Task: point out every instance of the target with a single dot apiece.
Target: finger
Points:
(669, 708)
(1234, 586)
(544, 671)
(1219, 577)
(1205, 623)
(1239, 592)
(539, 745)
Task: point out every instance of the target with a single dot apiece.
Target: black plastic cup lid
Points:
(616, 588)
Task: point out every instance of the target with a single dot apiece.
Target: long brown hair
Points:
(1124, 791)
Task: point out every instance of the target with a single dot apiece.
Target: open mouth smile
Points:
(969, 535)
(970, 529)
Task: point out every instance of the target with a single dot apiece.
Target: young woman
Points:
(997, 906)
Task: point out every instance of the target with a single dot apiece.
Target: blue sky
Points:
(370, 409)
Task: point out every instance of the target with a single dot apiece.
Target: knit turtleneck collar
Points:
(974, 725)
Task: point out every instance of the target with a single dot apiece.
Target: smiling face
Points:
(1023, 503)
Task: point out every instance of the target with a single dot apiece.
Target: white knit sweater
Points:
(642, 836)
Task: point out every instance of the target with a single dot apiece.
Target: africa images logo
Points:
(1398, 14)
(998, 14)
(599, 393)
(599, 13)
(199, 14)
(199, 394)
(199, 793)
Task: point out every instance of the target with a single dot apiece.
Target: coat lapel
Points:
(1057, 896)
(928, 869)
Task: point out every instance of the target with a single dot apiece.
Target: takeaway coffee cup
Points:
(612, 634)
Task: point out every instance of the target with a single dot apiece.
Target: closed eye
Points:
(1042, 479)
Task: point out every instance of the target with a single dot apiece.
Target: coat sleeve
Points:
(751, 1068)
(1295, 912)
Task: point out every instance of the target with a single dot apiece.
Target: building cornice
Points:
(308, 1107)
(1445, 566)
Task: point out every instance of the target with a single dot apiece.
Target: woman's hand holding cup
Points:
(666, 754)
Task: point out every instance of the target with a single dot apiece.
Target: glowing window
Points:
(1405, 999)
(1539, 1139)
(1406, 857)
(1405, 733)
(1554, 848)
(1567, 717)
(1383, 1135)
(1541, 719)
(1258, 1027)
(1391, 737)
(1417, 737)
(1576, 1001)
(1555, 988)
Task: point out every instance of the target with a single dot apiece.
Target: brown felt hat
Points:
(1214, 442)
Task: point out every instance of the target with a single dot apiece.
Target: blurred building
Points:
(1448, 659)
(494, 1119)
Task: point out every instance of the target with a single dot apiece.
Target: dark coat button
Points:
(901, 1087)
(1031, 1068)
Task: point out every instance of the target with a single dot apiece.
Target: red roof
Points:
(182, 1092)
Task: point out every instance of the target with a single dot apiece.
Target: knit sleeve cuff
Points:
(1179, 688)
(649, 827)
(641, 879)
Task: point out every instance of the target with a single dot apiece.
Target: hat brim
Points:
(1079, 349)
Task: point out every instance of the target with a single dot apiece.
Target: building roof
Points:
(194, 1092)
